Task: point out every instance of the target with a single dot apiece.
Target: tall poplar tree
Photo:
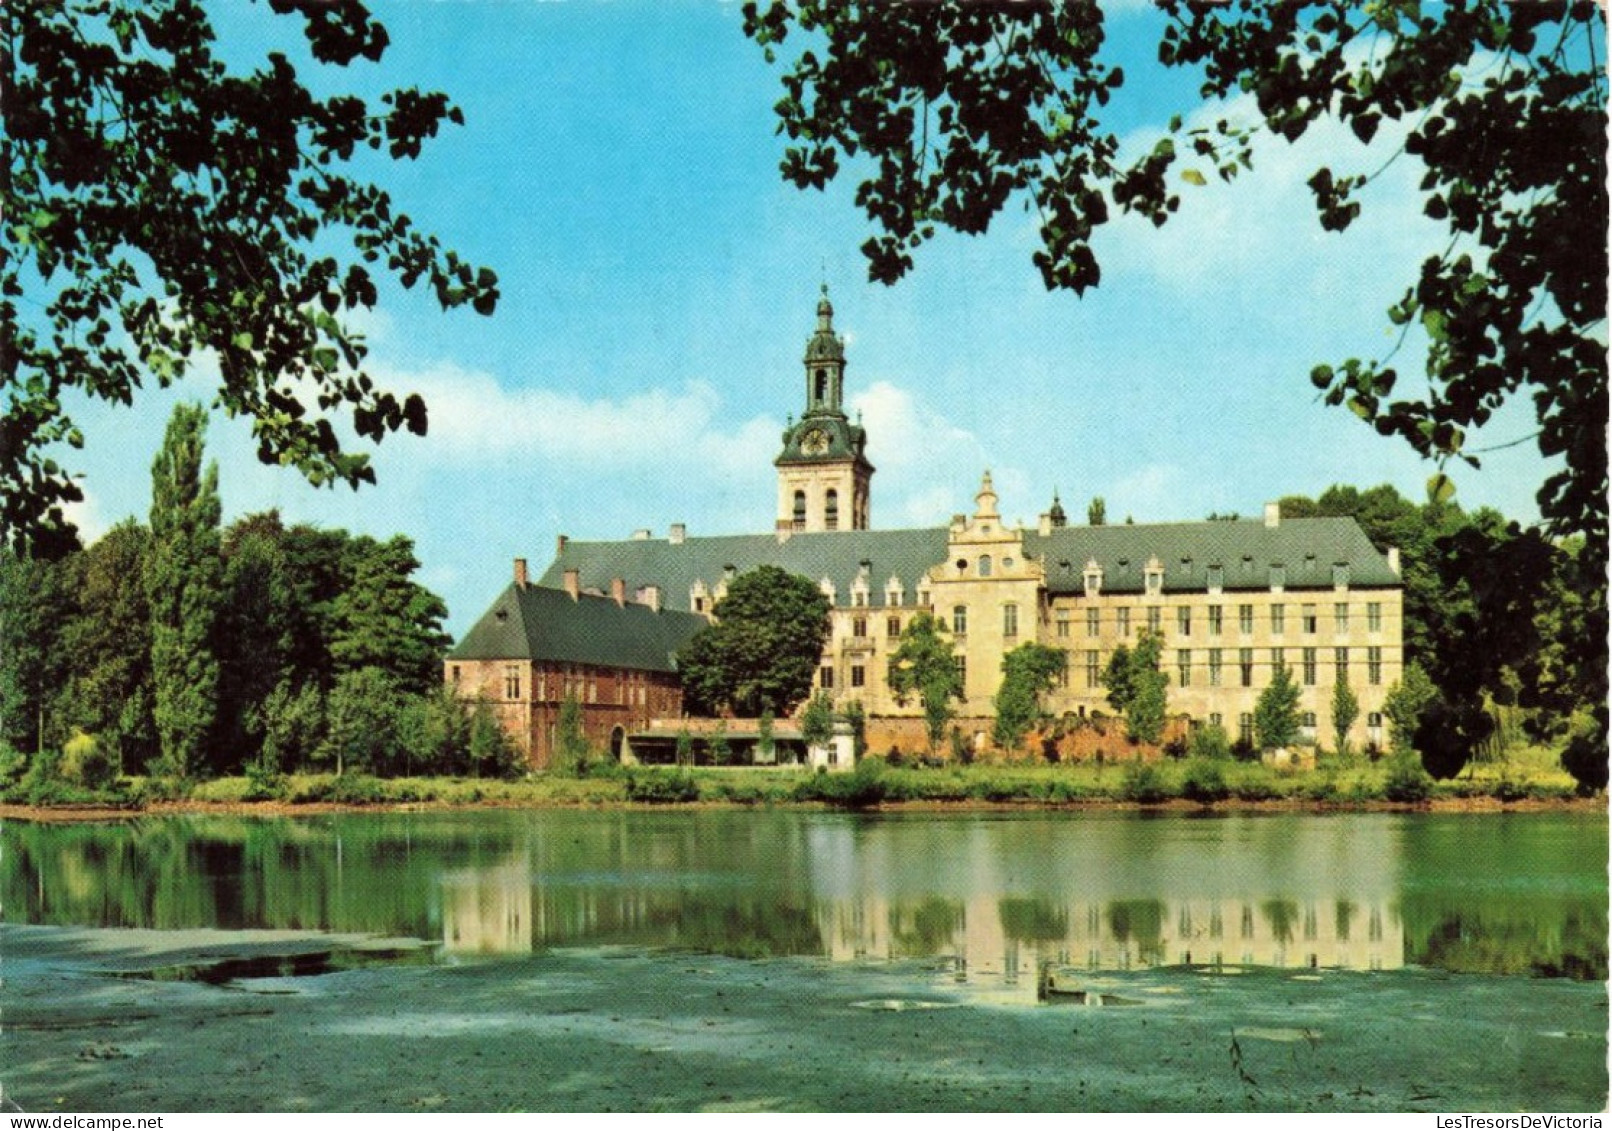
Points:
(184, 585)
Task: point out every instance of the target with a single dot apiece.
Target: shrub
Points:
(86, 761)
(1143, 784)
(357, 789)
(1204, 783)
(1406, 780)
(1255, 787)
(662, 787)
(1176, 747)
(1243, 750)
(1209, 741)
(13, 764)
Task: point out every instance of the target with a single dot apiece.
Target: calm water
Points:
(989, 897)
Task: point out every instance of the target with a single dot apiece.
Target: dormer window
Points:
(1340, 575)
(1278, 578)
(1217, 578)
(1093, 578)
(894, 593)
(1153, 577)
(826, 587)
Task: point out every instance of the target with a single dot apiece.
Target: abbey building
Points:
(1233, 600)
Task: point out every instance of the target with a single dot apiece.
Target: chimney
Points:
(618, 591)
(520, 573)
(1273, 515)
(1043, 524)
(650, 595)
(678, 533)
(1393, 559)
(641, 535)
(559, 545)
(573, 583)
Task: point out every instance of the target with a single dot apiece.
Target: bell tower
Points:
(823, 471)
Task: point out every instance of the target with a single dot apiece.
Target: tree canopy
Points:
(1137, 686)
(161, 209)
(763, 649)
(1028, 673)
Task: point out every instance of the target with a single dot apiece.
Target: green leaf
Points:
(1193, 177)
(1440, 489)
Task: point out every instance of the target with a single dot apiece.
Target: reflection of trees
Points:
(1281, 914)
(1141, 920)
(1344, 917)
(1512, 941)
(1033, 920)
(928, 929)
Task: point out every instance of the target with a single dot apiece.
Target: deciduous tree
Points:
(1276, 711)
(184, 589)
(763, 649)
(161, 207)
(923, 665)
(1028, 673)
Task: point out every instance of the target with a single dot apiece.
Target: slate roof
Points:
(538, 623)
(1246, 550)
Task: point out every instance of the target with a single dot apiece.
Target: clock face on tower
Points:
(814, 442)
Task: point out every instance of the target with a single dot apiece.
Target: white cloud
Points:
(87, 516)
(476, 418)
(929, 467)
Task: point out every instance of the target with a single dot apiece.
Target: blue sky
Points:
(619, 169)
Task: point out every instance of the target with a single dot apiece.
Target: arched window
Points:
(800, 510)
(822, 385)
(985, 565)
(831, 509)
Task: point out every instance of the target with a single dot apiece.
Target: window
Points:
(1340, 657)
(893, 598)
(962, 670)
(892, 627)
(1309, 667)
(455, 671)
(1063, 622)
(859, 675)
(1214, 620)
(1093, 675)
(1217, 578)
(1245, 732)
(1245, 666)
(1245, 619)
(1094, 620)
(859, 598)
(1307, 620)
(1278, 661)
(512, 681)
(800, 510)
(1278, 578)
(1374, 616)
(985, 565)
(1340, 617)
(1154, 580)
(1010, 620)
(1278, 619)
(1214, 667)
(699, 604)
(1183, 620)
(1307, 724)
(825, 677)
(1374, 665)
(1374, 726)
(1093, 579)
(960, 620)
(1216, 719)
(1122, 621)
(831, 509)
(1155, 618)
(1183, 666)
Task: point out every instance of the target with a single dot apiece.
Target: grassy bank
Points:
(1201, 783)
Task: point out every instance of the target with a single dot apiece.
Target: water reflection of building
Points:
(1014, 936)
(504, 910)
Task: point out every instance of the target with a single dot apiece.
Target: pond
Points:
(997, 896)
(799, 960)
